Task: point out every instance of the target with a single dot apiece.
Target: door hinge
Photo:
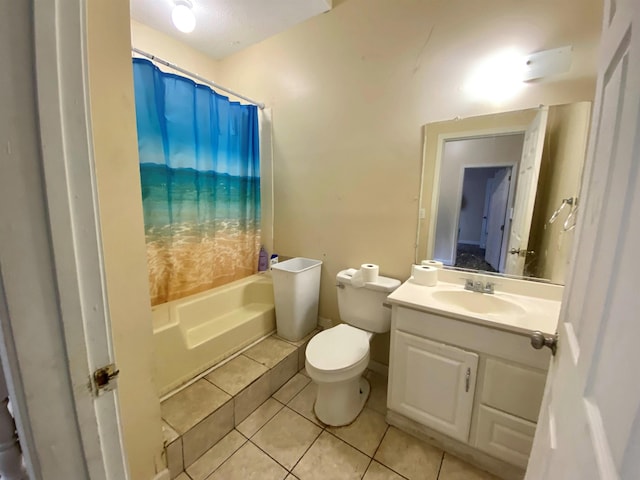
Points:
(104, 379)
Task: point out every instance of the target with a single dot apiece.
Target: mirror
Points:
(492, 183)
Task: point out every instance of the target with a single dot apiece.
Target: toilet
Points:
(337, 357)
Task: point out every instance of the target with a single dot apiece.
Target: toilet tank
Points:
(362, 307)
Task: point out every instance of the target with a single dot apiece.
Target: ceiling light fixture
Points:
(183, 17)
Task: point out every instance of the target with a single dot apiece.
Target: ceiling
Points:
(224, 27)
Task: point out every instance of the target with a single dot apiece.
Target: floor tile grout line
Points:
(440, 466)
(232, 399)
(379, 461)
(246, 439)
(236, 426)
(377, 448)
(211, 472)
(350, 444)
(295, 394)
(294, 465)
(381, 440)
(307, 450)
(225, 461)
(366, 469)
(304, 453)
(268, 455)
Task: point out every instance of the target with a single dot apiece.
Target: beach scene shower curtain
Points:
(200, 173)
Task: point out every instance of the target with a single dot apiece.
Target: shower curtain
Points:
(200, 173)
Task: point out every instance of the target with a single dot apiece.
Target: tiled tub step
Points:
(197, 417)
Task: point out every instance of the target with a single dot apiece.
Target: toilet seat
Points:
(338, 353)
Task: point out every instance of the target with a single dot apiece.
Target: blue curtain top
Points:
(184, 124)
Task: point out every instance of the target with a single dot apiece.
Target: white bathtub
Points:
(196, 332)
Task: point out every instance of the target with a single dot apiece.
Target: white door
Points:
(526, 186)
(589, 426)
(434, 384)
(496, 218)
(485, 213)
(54, 324)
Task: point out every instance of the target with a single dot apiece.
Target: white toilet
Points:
(337, 357)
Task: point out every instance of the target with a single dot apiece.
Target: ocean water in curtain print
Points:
(199, 167)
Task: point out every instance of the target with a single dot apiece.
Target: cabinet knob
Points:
(539, 340)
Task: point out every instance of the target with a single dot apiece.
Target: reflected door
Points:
(526, 187)
(498, 197)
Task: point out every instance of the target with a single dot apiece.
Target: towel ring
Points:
(565, 202)
(568, 226)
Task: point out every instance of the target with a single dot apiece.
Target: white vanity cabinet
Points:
(478, 385)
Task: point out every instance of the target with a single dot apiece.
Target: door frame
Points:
(464, 168)
(507, 217)
(435, 194)
(53, 339)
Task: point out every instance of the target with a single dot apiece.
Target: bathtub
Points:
(194, 333)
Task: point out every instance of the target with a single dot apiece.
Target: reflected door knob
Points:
(539, 340)
(522, 253)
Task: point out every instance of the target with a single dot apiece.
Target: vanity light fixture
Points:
(183, 17)
(501, 76)
(497, 78)
(547, 62)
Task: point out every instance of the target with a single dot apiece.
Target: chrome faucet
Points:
(479, 286)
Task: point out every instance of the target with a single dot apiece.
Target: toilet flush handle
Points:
(386, 304)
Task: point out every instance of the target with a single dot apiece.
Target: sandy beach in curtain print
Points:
(202, 229)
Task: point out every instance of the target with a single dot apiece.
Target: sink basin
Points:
(478, 302)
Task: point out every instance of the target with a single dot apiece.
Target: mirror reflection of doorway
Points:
(482, 224)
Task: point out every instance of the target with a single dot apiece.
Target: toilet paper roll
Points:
(424, 275)
(369, 272)
(432, 263)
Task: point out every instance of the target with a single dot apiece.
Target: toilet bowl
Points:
(336, 358)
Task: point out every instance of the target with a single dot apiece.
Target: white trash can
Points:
(296, 289)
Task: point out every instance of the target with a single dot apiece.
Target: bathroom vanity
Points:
(462, 371)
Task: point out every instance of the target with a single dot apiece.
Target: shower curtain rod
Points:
(196, 76)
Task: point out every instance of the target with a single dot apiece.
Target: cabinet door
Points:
(504, 436)
(433, 383)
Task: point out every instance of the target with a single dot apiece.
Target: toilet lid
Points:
(336, 348)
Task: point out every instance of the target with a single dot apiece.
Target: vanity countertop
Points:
(519, 307)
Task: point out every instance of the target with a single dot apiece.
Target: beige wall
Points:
(157, 43)
(350, 91)
(120, 204)
(560, 176)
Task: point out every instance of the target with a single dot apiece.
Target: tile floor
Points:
(199, 416)
(283, 440)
